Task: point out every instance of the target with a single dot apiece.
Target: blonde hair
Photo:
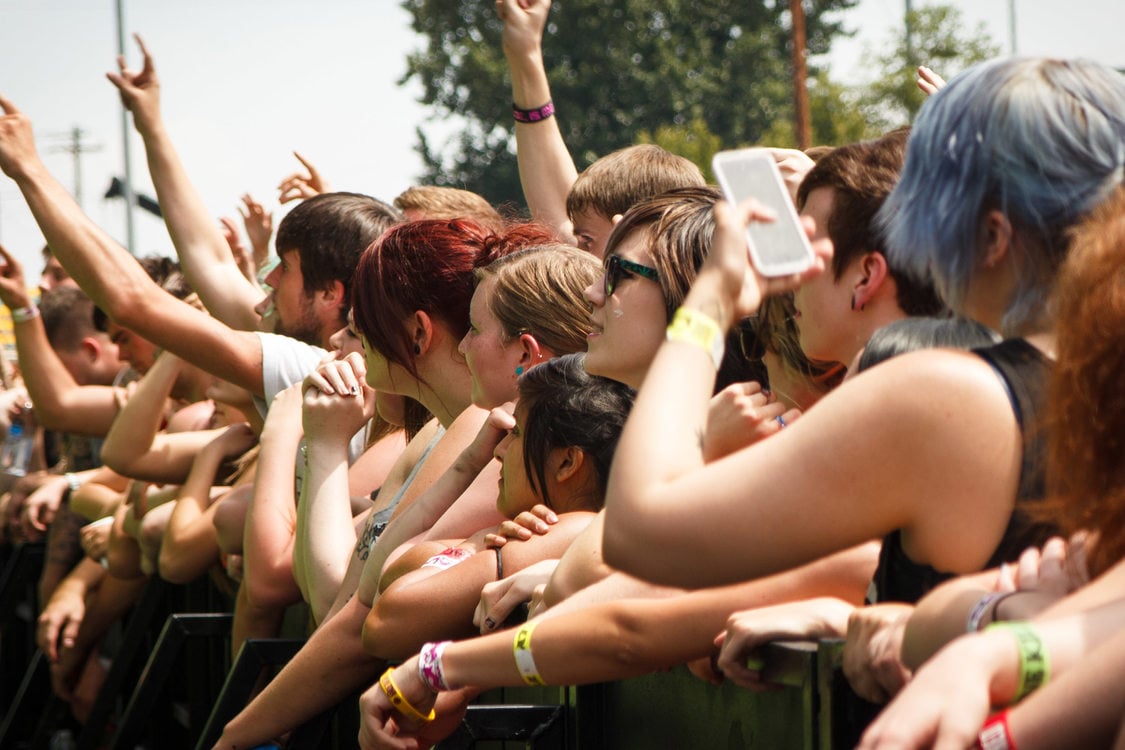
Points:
(434, 202)
(618, 181)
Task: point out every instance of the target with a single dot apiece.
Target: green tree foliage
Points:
(938, 40)
(674, 69)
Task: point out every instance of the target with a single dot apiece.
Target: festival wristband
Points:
(533, 115)
(1035, 666)
(521, 647)
(430, 669)
(996, 734)
(698, 329)
(399, 701)
(24, 314)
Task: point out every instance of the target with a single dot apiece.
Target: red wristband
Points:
(996, 734)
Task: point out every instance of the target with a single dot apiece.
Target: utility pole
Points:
(130, 231)
(908, 21)
(803, 119)
(1012, 25)
(75, 147)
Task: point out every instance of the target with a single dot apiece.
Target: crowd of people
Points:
(600, 443)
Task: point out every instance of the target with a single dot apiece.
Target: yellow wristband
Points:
(698, 329)
(398, 700)
(521, 647)
(1035, 666)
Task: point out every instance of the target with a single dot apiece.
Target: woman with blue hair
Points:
(938, 452)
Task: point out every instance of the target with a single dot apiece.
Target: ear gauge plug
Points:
(519, 371)
(418, 347)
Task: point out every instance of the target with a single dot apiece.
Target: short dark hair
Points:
(862, 176)
(912, 334)
(566, 406)
(167, 275)
(68, 317)
(329, 232)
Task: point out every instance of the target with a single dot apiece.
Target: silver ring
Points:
(781, 421)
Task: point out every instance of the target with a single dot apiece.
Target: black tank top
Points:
(1023, 370)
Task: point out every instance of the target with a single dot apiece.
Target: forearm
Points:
(203, 252)
(325, 527)
(547, 171)
(330, 667)
(271, 525)
(189, 538)
(134, 429)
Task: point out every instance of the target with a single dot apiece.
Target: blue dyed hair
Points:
(1042, 141)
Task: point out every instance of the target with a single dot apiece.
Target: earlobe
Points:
(423, 332)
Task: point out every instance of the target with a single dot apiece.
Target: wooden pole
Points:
(803, 119)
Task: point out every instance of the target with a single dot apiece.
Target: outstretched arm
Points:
(204, 253)
(546, 170)
(60, 402)
(112, 277)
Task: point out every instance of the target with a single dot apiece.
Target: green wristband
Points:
(1035, 666)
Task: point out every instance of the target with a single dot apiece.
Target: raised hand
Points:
(524, 21)
(793, 165)
(139, 89)
(238, 248)
(301, 185)
(259, 228)
(337, 400)
(13, 287)
(929, 81)
(17, 142)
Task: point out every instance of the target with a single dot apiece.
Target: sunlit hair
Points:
(437, 202)
(679, 225)
(861, 176)
(775, 329)
(1041, 141)
(539, 290)
(329, 232)
(618, 181)
(565, 406)
(1086, 401)
(911, 334)
(427, 266)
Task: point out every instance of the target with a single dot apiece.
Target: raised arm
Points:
(204, 253)
(547, 171)
(113, 278)
(60, 402)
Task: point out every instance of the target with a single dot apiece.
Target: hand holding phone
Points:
(778, 248)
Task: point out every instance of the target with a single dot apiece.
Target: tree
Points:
(707, 67)
(937, 40)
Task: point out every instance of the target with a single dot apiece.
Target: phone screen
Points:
(777, 248)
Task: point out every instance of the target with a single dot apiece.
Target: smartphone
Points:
(777, 248)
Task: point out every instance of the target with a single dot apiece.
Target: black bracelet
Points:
(533, 115)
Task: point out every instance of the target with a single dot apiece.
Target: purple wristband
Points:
(429, 666)
(533, 115)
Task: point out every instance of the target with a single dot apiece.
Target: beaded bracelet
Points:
(430, 669)
(399, 701)
(698, 329)
(533, 115)
(996, 734)
(521, 647)
(1035, 667)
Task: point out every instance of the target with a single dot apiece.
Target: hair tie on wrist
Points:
(533, 115)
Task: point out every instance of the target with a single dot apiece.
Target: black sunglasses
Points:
(617, 267)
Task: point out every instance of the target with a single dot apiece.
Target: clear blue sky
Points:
(246, 82)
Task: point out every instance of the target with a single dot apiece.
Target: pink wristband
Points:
(533, 115)
(429, 666)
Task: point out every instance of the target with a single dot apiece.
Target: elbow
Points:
(384, 635)
(269, 586)
(177, 565)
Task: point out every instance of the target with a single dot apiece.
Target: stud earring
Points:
(417, 349)
(519, 371)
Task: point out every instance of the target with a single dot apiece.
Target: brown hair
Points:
(1086, 403)
(862, 176)
(540, 290)
(434, 202)
(618, 181)
(679, 224)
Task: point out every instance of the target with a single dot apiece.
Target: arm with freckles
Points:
(840, 476)
(60, 402)
(207, 260)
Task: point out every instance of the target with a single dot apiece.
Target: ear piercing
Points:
(519, 371)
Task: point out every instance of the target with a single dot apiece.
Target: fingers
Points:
(314, 175)
(48, 633)
(148, 66)
(8, 106)
(1027, 570)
